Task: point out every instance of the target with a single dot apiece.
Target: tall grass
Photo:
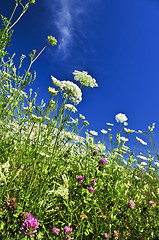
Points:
(56, 184)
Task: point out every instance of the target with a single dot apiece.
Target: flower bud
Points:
(52, 40)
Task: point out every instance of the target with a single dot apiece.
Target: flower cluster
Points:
(141, 141)
(52, 91)
(121, 118)
(70, 107)
(85, 79)
(131, 204)
(29, 226)
(79, 179)
(68, 232)
(55, 231)
(152, 203)
(106, 235)
(52, 40)
(70, 90)
(103, 160)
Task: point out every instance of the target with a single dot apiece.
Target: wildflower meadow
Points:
(57, 179)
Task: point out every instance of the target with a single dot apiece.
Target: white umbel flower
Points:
(110, 124)
(141, 141)
(120, 117)
(142, 157)
(124, 139)
(103, 131)
(85, 79)
(94, 133)
(69, 89)
(70, 107)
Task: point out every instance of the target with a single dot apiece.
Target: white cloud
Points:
(67, 16)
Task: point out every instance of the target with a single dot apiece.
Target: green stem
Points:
(25, 8)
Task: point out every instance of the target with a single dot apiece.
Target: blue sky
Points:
(116, 41)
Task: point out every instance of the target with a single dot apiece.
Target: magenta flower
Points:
(79, 179)
(68, 232)
(91, 189)
(131, 204)
(29, 226)
(103, 160)
(106, 235)
(152, 203)
(55, 231)
(93, 181)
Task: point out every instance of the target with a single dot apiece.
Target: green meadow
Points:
(57, 179)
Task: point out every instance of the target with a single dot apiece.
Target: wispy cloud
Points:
(67, 15)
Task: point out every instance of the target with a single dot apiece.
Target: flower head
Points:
(103, 131)
(52, 40)
(121, 118)
(55, 231)
(29, 226)
(70, 107)
(110, 124)
(131, 204)
(93, 181)
(103, 160)
(85, 79)
(124, 139)
(68, 232)
(106, 235)
(141, 141)
(152, 203)
(85, 123)
(91, 189)
(79, 179)
(69, 89)
(94, 133)
(52, 91)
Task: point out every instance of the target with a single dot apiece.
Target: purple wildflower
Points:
(79, 179)
(29, 226)
(131, 204)
(55, 231)
(152, 203)
(103, 160)
(91, 189)
(68, 232)
(93, 181)
(106, 235)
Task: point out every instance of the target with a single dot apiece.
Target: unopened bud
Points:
(52, 40)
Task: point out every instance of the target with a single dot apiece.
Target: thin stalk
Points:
(40, 53)
(25, 8)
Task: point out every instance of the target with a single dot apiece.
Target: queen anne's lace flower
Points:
(141, 141)
(120, 117)
(103, 131)
(94, 133)
(85, 79)
(69, 89)
(70, 107)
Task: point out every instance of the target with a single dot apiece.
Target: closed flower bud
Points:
(52, 40)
